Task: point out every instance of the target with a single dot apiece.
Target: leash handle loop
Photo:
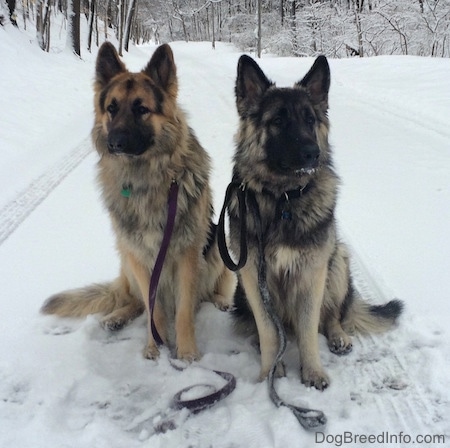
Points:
(199, 404)
(221, 240)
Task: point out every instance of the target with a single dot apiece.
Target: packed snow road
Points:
(68, 383)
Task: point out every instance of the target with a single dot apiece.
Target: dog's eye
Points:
(142, 110)
(113, 108)
(277, 121)
(310, 120)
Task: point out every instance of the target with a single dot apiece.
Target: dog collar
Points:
(293, 194)
(283, 209)
(283, 206)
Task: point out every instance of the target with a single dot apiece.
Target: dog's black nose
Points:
(309, 156)
(117, 142)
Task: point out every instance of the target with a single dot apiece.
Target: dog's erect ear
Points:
(317, 82)
(108, 64)
(162, 69)
(251, 83)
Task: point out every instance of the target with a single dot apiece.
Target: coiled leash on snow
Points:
(308, 418)
(198, 404)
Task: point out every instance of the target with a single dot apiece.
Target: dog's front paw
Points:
(314, 378)
(280, 372)
(151, 351)
(188, 355)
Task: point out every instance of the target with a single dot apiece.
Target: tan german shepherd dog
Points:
(145, 144)
(283, 159)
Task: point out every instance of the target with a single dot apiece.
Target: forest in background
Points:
(336, 28)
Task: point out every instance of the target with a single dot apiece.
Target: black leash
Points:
(221, 240)
(198, 404)
(308, 418)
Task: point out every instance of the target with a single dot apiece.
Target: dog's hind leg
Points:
(338, 295)
(224, 290)
(339, 342)
(128, 306)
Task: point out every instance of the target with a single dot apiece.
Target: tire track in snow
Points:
(409, 114)
(406, 405)
(17, 210)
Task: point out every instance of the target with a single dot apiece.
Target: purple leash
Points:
(198, 404)
(172, 201)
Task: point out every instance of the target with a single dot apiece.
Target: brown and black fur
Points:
(283, 158)
(144, 144)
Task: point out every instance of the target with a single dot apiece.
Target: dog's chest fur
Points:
(140, 217)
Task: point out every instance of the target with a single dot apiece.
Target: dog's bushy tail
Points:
(362, 317)
(101, 298)
(80, 302)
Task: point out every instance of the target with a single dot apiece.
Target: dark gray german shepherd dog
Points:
(283, 158)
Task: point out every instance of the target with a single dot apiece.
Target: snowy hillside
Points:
(68, 383)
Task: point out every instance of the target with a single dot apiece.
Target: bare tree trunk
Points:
(184, 29)
(295, 46)
(130, 15)
(213, 31)
(40, 24)
(74, 25)
(91, 23)
(47, 31)
(43, 24)
(107, 18)
(96, 30)
(12, 7)
(259, 28)
(359, 33)
(179, 16)
(120, 24)
(25, 12)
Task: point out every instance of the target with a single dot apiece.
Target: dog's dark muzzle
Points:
(301, 160)
(125, 143)
(308, 157)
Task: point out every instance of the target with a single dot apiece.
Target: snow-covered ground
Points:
(69, 383)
